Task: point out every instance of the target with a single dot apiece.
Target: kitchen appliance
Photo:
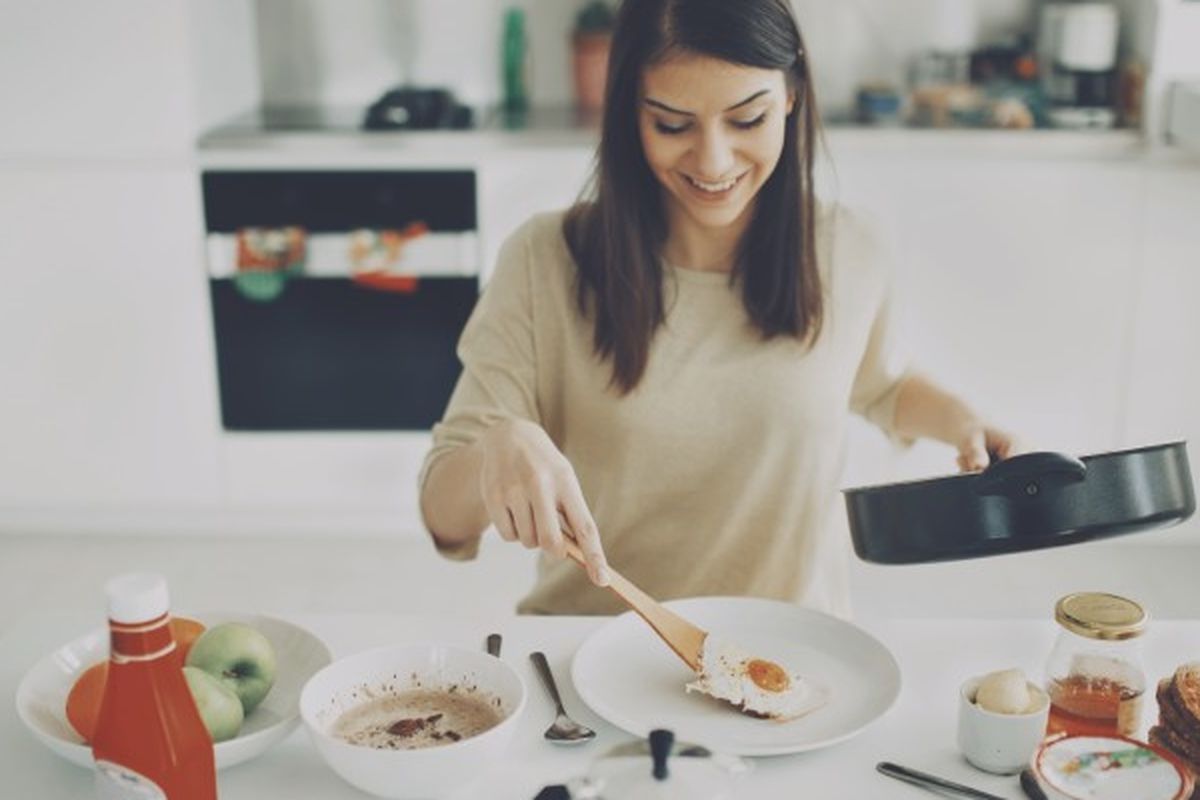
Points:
(1077, 47)
(1026, 502)
(414, 108)
(341, 347)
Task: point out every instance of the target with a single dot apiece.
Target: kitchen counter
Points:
(297, 137)
(935, 656)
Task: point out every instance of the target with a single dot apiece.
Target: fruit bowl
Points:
(42, 693)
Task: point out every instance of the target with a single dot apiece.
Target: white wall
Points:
(94, 79)
(316, 52)
(347, 53)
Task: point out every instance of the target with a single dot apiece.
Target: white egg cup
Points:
(999, 743)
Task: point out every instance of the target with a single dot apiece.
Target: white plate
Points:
(42, 694)
(628, 676)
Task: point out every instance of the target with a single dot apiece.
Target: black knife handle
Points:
(928, 781)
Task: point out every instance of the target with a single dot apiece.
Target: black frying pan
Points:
(1025, 502)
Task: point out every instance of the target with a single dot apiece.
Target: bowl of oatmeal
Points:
(413, 720)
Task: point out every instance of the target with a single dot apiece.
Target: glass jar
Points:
(1094, 675)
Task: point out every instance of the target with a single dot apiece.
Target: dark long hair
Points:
(617, 231)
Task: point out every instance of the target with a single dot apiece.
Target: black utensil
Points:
(933, 782)
(1029, 785)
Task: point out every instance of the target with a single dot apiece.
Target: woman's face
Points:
(712, 132)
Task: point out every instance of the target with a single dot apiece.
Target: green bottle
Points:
(516, 96)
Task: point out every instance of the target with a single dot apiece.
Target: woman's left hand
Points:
(980, 442)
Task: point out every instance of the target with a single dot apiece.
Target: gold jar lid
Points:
(1100, 616)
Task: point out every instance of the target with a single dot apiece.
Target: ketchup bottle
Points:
(149, 742)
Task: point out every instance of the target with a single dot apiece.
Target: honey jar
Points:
(1094, 674)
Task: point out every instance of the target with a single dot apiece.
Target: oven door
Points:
(329, 343)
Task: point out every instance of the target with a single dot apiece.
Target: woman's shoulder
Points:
(535, 254)
(852, 239)
(541, 236)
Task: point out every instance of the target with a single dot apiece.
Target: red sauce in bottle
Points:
(150, 741)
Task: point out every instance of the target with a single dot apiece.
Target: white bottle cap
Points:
(137, 597)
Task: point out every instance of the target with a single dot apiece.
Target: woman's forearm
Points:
(451, 504)
(926, 410)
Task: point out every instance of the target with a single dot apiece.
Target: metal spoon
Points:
(564, 730)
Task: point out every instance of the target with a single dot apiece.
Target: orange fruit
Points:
(186, 631)
(83, 702)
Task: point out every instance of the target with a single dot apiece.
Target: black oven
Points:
(317, 346)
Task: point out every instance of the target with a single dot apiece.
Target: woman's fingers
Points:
(1005, 444)
(498, 513)
(586, 535)
(522, 515)
(545, 518)
(526, 482)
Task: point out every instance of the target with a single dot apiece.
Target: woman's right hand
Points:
(525, 483)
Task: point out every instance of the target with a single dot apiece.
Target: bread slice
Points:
(1172, 715)
(1162, 736)
(1185, 686)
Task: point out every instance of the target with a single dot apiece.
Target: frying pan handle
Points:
(1028, 474)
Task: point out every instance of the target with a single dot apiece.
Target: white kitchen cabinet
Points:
(109, 409)
(515, 185)
(106, 360)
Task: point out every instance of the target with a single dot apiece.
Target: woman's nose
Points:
(714, 156)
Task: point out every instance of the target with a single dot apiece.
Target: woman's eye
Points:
(747, 124)
(670, 130)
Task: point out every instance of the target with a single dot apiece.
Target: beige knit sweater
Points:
(719, 474)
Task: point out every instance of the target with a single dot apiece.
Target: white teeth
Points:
(714, 188)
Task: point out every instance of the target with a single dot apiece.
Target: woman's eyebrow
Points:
(657, 104)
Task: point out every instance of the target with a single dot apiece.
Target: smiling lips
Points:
(714, 191)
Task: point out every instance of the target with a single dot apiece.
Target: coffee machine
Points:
(1077, 49)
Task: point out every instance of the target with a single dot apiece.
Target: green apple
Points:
(219, 706)
(238, 656)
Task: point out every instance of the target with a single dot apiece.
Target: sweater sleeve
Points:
(885, 361)
(498, 358)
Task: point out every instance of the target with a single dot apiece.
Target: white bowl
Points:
(42, 693)
(995, 742)
(409, 774)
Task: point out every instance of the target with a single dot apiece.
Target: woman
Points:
(667, 367)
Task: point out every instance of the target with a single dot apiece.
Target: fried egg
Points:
(756, 686)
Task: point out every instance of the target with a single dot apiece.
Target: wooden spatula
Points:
(680, 635)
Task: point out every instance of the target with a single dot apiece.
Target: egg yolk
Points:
(768, 676)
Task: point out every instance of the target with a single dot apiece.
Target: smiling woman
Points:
(668, 366)
(712, 162)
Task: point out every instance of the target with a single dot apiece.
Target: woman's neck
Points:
(704, 249)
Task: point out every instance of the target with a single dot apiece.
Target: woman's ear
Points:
(791, 101)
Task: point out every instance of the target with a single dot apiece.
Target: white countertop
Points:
(935, 656)
(251, 141)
